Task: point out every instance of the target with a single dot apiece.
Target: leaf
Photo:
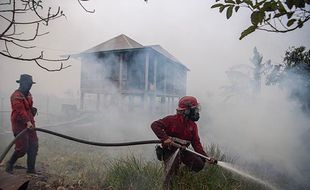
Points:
(289, 3)
(248, 2)
(223, 7)
(247, 31)
(216, 5)
(257, 17)
(290, 22)
(281, 7)
(229, 11)
(237, 8)
(258, 4)
(300, 3)
(229, 1)
(261, 3)
(270, 6)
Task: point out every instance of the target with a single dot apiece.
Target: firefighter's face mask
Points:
(25, 86)
(193, 113)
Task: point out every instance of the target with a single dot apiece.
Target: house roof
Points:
(123, 42)
(119, 42)
(164, 52)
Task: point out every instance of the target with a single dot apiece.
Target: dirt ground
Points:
(44, 180)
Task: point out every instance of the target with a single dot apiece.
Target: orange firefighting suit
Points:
(177, 126)
(22, 113)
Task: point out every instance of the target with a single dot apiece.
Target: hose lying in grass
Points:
(222, 164)
(76, 140)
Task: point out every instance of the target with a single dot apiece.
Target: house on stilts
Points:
(122, 72)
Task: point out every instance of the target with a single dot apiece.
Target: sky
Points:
(205, 42)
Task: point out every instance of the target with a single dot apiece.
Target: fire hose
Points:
(24, 183)
(132, 143)
(76, 140)
(13, 182)
(198, 154)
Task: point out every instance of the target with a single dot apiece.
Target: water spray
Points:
(228, 167)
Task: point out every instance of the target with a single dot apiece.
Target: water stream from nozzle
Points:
(231, 168)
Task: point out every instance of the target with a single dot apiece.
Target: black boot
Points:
(10, 163)
(31, 159)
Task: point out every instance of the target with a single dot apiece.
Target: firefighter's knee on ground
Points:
(198, 166)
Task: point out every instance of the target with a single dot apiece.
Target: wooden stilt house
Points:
(125, 70)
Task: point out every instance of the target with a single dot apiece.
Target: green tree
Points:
(271, 16)
(297, 61)
(297, 57)
(294, 74)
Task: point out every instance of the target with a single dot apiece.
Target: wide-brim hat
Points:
(25, 77)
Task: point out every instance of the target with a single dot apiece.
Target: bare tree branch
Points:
(24, 40)
(275, 29)
(92, 11)
(7, 49)
(11, 23)
(25, 47)
(51, 70)
(41, 16)
(36, 60)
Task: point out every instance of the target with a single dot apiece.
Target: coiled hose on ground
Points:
(132, 143)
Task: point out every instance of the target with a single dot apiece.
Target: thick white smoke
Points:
(266, 130)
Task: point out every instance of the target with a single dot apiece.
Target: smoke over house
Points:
(123, 72)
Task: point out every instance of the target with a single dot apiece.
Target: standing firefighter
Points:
(181, 129)
(22, 117)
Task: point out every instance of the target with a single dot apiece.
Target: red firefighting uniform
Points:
(21, 114)
(178, 126)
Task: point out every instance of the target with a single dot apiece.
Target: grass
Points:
(77, 166)
(86, 167)
(211, 177)
(134, 173)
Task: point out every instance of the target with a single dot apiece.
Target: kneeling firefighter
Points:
(180, 129)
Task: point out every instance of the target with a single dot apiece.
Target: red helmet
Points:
(187, 102)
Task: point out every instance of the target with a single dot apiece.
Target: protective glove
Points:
(29, 125)
(168, 142)
(212, 161)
